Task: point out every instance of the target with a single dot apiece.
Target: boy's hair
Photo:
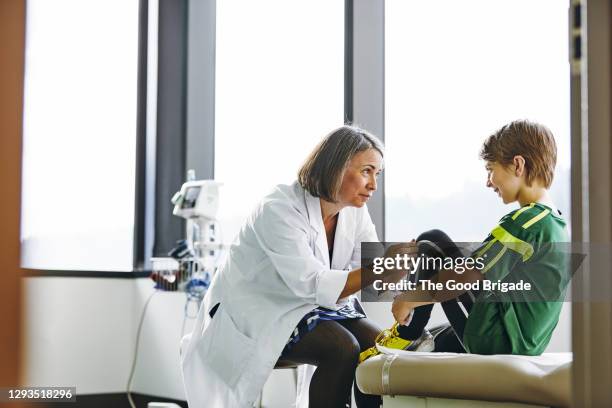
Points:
(533, 141)
(322, 172)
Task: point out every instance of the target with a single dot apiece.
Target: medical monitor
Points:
(197, 199)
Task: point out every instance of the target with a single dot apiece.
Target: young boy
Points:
(520, 160)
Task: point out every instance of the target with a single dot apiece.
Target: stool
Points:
(282, 365)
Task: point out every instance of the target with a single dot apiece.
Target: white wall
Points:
(79, 333)
(82, 332)
(158, 370)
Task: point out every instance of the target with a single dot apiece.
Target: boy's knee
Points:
(434, 235)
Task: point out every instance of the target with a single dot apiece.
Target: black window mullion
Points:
(348, 61)
(171, 121)
(141, 137)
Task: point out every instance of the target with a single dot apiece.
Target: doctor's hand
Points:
(408, 249)
(361, 278)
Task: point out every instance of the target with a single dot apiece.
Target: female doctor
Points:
(283, 292)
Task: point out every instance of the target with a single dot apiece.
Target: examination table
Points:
(440, 380)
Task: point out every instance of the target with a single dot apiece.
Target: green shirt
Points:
(523, 247)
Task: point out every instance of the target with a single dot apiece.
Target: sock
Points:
(415, 329)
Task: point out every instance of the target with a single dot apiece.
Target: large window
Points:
(79, 134)
(279, 90)
(455, 73)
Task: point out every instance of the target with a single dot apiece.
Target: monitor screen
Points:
(191, 196)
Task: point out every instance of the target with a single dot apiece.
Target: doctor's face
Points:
(359, 180)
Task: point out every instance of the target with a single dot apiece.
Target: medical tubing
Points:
(184, 323)
(133, 369)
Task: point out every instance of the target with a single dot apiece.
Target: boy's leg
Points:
(440, 245)
(446, 341)
(450, 249)
(420, 318)
(443, 241)
(456, 310)
(421, 315)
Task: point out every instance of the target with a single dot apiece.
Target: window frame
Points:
(181, 135)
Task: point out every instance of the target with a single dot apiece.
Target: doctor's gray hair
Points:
(322, 172)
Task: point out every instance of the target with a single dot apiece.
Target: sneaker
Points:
(389, 340)
(425, 343)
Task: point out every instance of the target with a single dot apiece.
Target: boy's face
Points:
(504, 181)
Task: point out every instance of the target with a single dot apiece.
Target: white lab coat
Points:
(277, 270)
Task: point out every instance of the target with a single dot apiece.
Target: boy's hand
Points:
(402, 310)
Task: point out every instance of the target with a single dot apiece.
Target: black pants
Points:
(334, 347)
(449, 339)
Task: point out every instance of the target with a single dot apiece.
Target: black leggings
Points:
(334, 347)
(453, 311)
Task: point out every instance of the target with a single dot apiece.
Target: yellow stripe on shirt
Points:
(486, 248)
(536, 218)
(512, 242)
(521, 210)
(494, 260)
